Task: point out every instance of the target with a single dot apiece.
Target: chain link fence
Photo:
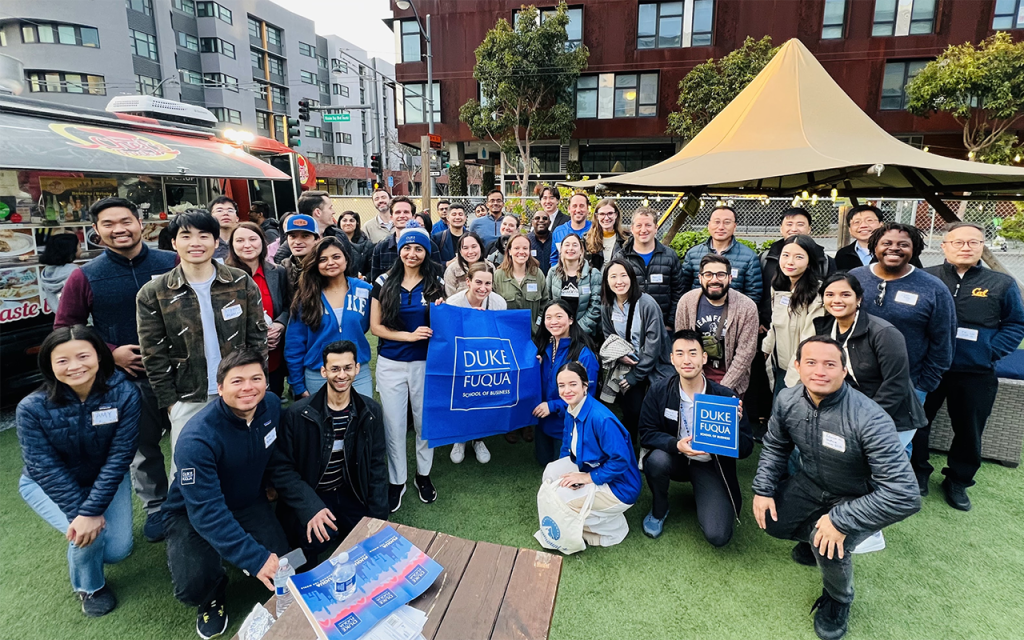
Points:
(757, 220)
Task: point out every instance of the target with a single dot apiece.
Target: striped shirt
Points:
(335, 472)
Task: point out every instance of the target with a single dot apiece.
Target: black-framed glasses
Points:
(881, 294)
(717, 275)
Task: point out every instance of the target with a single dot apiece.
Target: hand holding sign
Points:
(716, 429)
(684, 448)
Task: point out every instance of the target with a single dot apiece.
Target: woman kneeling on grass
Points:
(78, 436)
(595, 450)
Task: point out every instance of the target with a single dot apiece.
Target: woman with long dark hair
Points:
(400, 317)
(605, 238)
(573, 279)
(78, 436)
(247, 250)
(59, 255)
(469, 248)
(328, 306)
(362, 248)
(559, 340)
(795, 304)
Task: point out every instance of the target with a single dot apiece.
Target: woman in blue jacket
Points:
(595, 450)
(559, 340)
(328, 306)
(78, 436)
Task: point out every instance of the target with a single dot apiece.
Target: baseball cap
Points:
(300, 222)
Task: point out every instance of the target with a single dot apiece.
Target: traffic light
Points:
(445, 157)
(292, 134)
(375, 164)
(304, 110)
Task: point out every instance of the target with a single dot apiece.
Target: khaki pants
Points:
(180, 413)
(606, 525)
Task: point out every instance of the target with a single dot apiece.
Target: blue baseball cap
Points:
(300, 222)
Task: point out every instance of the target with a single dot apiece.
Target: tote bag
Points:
(561, 528)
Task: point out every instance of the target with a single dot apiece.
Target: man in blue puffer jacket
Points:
(746, 266)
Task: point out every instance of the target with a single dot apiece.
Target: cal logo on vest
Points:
(978, 292)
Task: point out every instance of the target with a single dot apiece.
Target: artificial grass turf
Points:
(945, 574)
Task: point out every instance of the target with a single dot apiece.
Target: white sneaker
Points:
(458, 452)
(875, 543)
(483, 456)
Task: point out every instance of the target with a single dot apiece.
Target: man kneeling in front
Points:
(855, 477)
(217, 506)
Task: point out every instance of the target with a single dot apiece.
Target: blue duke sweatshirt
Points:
(221, 462)
(919, 305)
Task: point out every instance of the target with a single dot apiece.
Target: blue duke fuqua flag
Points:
(483, 377)
(716, 425)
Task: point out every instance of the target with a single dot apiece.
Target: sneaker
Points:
(831, 618)
(212, 619)
(956, 495)
(483, 456)
(512, 437)
(803, 554)
(922, 484)
(653, 526)
(425, 488)
(458, 452)
(874, 543)
(395, 493)
(99, 603)
(528, 434)
(154, 528)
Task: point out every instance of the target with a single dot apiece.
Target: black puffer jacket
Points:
(864, 470)
(662, 278)
(362, 251)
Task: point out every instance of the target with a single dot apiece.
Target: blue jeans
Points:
(112, 545)
(363, 384)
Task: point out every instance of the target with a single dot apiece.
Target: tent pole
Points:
(690, 207)
(947, 214)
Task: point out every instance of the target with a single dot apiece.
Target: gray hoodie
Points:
(51, 282)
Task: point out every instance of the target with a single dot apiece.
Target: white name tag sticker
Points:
(232, 312)
(533, 252)
(338, 445)
(656, 278)
(905, 297)
(585, 289)
(188, 476)
(784, 301)
(671, 414)
(963, 333)
(155, 277)
(108, 416)
(735, 272)
(362, 293)
(269, 438)
(834, 442)
(531, 287)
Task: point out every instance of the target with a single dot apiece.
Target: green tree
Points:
(526, 75)
(982, 87)
(710, 86)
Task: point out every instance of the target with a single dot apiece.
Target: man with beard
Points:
(105, 288)
(488, 227)
(330, 466)
(225, 211)
(726, 321)
(915, 302)
(540, 236)
(380, 227)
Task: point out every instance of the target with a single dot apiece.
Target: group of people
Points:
(199, 341)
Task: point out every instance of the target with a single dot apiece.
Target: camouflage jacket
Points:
(171, 329)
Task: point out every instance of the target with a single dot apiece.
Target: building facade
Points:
(640, 51)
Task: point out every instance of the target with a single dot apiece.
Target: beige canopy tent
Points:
(793, 129)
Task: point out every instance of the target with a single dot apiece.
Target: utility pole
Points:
(376, 115)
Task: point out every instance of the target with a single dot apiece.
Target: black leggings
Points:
(631, 402)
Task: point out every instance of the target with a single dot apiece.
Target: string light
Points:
(805, 195)
(1016, 158)
(835, 193)
(970, 155)
(814, 199)
(925, 149)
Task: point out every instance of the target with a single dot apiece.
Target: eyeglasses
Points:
(959, 244)
(541, 218)
(881, 293)
(718, 275)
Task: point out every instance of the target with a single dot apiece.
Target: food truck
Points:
(56, 161)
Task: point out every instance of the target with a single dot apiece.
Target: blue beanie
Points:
(414, 233)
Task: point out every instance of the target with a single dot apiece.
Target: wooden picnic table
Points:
(485, 591)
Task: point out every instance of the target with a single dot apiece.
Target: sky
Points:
(358, 21)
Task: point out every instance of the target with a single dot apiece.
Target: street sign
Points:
(435, 141)
(391, 181)
(337, 117)
(435, 174)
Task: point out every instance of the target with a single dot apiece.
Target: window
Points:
(307, 50)
(226, 115)
(414, 109)
(216, 45)
(263, 121)
(623, 95)
(339, 90)
(340, 66)
(63, 82)
(185, 6)
(897, 75)
(276, 66)
(661, 25)
(345, 160)
(192, 77)
(835, 19)
(220, 81)
(889, 23)
(308, 77)
(274, 36)
(1009, 14)
(343, 138)
(327, 137)
(45, 33)
(312, 132)
(187, 41)
(324, 87)
(213, 10)
(142, 6)
(410, 37)
(257, 60)
(254, 29)
(574, 29)
(146, 86)
(143, 44)
(277, 95)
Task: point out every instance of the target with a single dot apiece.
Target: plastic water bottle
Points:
(344, 575)
(284, 595)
